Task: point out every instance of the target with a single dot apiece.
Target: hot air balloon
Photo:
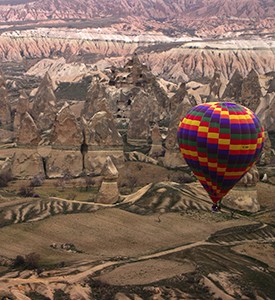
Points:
(220, 141)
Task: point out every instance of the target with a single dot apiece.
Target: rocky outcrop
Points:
(173, 157)
(251, 91)
(40, 10)
(197, 92)
(200, 12)
(217, 86)
(156, 146)
(5, 111)
(172, 62)
(178, 97)
(59, 162)
(98, 98)
(60, 71)
(108, 192)
(44, 105)
(19, 47)
(101, 131)
(266, 112)
(28, 133)
(244, 195)
(250, 179)
(139, 121)
(26, 164)
(6, 136)
(22, 107)
(66, 130)
(149, 105)
(138, 156)
(265, 158)
(171, 139)
(201, 60)
(234, 87)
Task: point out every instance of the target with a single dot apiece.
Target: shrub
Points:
(89, 182)
(182, 178)
(71, 196)
(32, 261)
(5, 178)
(26, 191)
(37, 180)
(19, 261)
(132, 182)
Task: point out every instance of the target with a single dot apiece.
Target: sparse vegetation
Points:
(5, 178)
(132, 182)
(63, 181)
(37, 180)
(181, 178)
(29, 261)
(26, 191)
(89, 182)
(36, 296)
(61, 295)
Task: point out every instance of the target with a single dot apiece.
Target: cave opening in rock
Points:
(44, 163)
(84, 150)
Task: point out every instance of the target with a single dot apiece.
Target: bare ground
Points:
(190, 253)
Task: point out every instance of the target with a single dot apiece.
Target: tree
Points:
(5, 177)
(26, 191)
(132, 182)
(37, 180)
(89, 182)
(32, 260)
(19, 261)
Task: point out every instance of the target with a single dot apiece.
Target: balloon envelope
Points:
(220, 141)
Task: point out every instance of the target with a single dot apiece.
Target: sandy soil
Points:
(266, 195)
(120, 248)
(105, 233)
(260, 251)
(145, 272)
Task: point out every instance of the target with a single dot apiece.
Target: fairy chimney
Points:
(66, 130)
(28, 133)
(108, 192)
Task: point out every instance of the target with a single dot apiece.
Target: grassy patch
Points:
(70, 193)
(36, 296)
(60, 295)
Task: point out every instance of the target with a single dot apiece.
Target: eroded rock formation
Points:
(28, 133)
(5, 111)
(156, 147)
(22, 107)
(108, 192)
(102, 131)
(244, 196)
(44, 105)
(66, 130)
(173, 157)
(234, 87)
(98, 98)
(251, 91)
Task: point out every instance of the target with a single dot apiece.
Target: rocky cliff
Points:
(176, 62)
(157, 10)
(122, 109)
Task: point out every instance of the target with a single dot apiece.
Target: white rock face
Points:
(59, 70)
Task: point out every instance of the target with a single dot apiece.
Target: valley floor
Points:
(120, 253)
